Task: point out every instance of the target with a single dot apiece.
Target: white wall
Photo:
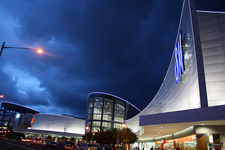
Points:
(58, 123)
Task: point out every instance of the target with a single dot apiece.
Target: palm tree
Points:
(87, 137)
(49, 138)
(111, 136)
(127, 136)
(100, 136)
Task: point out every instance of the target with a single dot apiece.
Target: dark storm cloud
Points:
(119, 47)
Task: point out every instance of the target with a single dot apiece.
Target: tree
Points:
(72, 139)
(111, 136)
(127, 135)
(87, 137)
(100, 136)
(49, 138)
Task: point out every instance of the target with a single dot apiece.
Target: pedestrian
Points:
(114, 147)
(151, 148)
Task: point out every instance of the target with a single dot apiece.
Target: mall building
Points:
(104, 111)
(33, 124)
(189, 109)
(14, 115)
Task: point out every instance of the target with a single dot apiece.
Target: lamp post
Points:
(87, 128)
(3, 46)
(123, 125)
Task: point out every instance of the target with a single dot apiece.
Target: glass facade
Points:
(186, 143)
(105, 111)
(10, 114)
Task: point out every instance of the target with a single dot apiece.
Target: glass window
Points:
(108, 103)
(106, 124)
(118, 119)
(119, 107)
(98, 102)
(97, 111)
(107, 111)
(118, 126)
(97, 117)
(107, 117)
(119, 111)
(88, 123)
(90, 110)
(89, 117)
(96, 123)
(90, 104)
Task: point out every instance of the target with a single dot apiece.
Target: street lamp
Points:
(1, 96)
(123, 125)
(87, 128)
(3, 46)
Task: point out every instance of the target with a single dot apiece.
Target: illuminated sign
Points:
(32, 121)
(17, 116)
(178, 55)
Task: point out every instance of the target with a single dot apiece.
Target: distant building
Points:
(28, 121)
(14, 115)
(107, 111)
(57, 126)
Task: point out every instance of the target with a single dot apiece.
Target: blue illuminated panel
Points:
(178, 55)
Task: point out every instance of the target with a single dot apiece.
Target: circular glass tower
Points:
(107, 111)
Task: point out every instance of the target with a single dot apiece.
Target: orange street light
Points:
(1, 96)
(87, 127)
(39, 51)
(123, 125)
(3, 46)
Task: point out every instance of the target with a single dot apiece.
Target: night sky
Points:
(121, 47)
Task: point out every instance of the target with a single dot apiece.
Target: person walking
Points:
(178, 148)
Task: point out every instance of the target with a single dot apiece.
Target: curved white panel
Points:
(185, 94)
(58, 123)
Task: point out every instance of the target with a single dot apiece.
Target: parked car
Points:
(43, 143)
(64, 145)
(51, 144)
(36, 141)
(29, 139)
(21, 139)
(85, 146)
